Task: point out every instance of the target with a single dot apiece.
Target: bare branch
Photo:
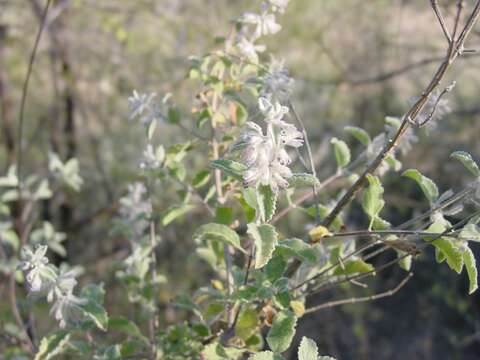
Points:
(355, 300)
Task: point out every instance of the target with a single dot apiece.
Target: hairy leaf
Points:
(174, 213)
(307, 350)
(53, 345)
(467, 161)
(127, 327)
(265, 238)
(218, 232)
(282, 331)
(372, 198)
(471, 266)
(342, 152)
(428, 187)
(359, 134)
(298, 180)
(230, 167)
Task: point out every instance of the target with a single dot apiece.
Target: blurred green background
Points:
(354, 62)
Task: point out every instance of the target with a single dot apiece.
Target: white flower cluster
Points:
(258, 25)
(44, 277)
(142, 106)
(135, 209)
(276, 83)
(264, 154)
(436, 108)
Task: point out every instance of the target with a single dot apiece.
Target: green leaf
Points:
(297, 248)
(471, 266)
(282, 331)
(151, 126)
(359, 134)
(201, 179)
(125, 326)
(247, 323)
(53, 345)
(427, 185)
(372, 202)
(93, 308)
(298, 180)
(467, 161)
(452, 253)
(94, 292)
(354, 267)
(218, 232)
(174, 213)
(307, 350)
(326, 358)
(470, 232)
(265, 238)
(265, 355)
(215, 351)
(267, 202)
(230, 167)
(224, 215)
(275, 268)
(342, 152)
(97, 313)
(173, 116)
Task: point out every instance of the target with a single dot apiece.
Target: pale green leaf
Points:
(372, 201)
(282, 331)
(470, 232)
(297, 248)
(174, 212)
(247, 323)
(452, 253)
(307, 350)
(265, 238)
(266, 202)
(342, 152)
(471, 266)
(125, 326)
(467, 161)
(53, 345)
(265, 355)
(359, 134)
(230, 167)
(428, 187)
(298, 180)
(218, 232)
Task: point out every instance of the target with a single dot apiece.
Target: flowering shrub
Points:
(244, 115)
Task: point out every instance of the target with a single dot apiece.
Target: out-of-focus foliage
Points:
(103, 199)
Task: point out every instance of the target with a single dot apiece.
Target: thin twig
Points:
(355, 300)
(441, 20)
(25, 93)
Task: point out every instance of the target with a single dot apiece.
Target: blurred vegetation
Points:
(353, 61)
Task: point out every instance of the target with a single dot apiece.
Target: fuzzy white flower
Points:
(135, 209)
(436, 107)
(277, 84)
(264, 154)
(63, 284)
(273, 113)
(34, 263)
(278, 5)
(65, 306)
(265, 23)
(138, 103)
(406, 140)
(248, 49)
(149, 159)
